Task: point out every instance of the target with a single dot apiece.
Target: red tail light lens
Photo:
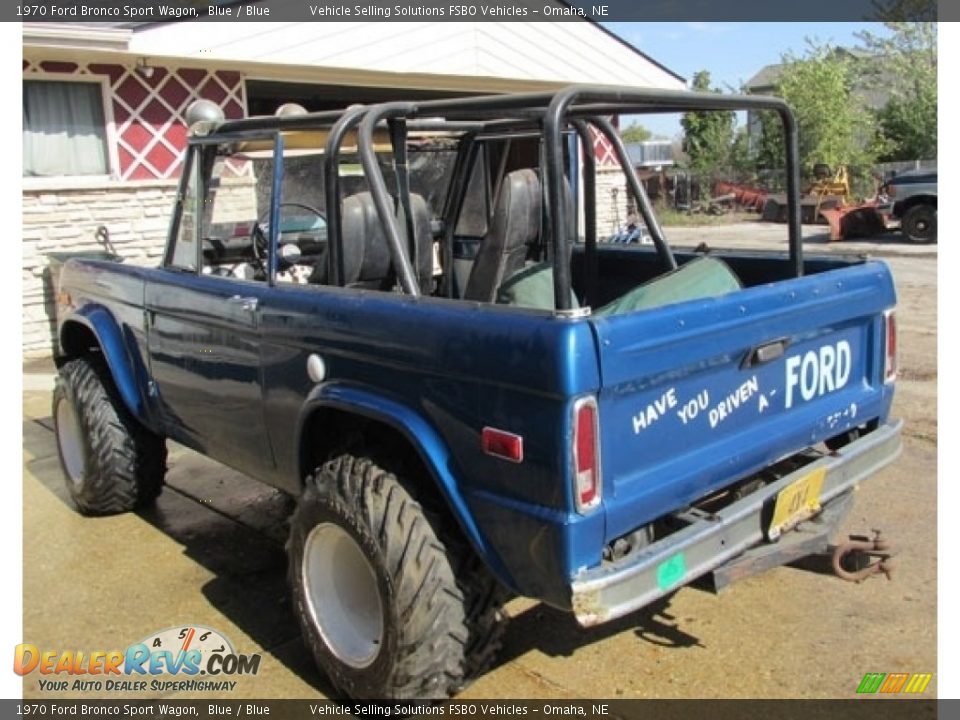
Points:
(890, 354)
(586, 454)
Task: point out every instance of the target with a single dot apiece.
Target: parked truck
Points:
(402, 316)
(911, 198)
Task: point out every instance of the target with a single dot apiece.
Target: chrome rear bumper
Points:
(614, 589)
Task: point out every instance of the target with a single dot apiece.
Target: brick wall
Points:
(135, 215)
(611, 201)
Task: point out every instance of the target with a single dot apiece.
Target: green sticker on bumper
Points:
(671, 571)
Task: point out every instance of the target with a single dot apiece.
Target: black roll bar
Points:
(494, 113)
(612, 99)
(378, 189)
(461, 173)
(331, 158)
(639, 192)
(591, 261)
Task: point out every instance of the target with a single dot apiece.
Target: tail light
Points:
(586, 454)
(890, 345)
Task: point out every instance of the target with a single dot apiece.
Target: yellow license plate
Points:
(796, 502)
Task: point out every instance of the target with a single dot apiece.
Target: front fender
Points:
(119, 349)
(422, 437)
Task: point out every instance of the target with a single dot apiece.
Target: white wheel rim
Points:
(70, 441)
(342, 595)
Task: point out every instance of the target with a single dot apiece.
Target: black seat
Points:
(515, 226)
(366, 256)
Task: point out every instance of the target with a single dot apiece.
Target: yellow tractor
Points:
(834, 203)
(830, 190)
(829, 187)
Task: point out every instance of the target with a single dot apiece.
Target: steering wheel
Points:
(259, 238)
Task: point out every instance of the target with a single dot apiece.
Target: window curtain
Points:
(64, 131)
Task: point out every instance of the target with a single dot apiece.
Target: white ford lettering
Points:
(817, 372)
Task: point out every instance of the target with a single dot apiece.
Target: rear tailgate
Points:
(687, 407)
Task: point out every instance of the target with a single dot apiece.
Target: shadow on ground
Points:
(555, 633)
(235, 527)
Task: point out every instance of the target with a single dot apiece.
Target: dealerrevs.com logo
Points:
(199, 657)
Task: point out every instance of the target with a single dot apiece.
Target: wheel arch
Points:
(92, 330)
(913, 201)
(336, 414)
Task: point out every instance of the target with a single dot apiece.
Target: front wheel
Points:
(112, 463)
(375, 590)
(919, 223)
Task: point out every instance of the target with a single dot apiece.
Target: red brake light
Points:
(586, 454)
(890, 353)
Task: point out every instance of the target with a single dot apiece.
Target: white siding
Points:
(542, 52)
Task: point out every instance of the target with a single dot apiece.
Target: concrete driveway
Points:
(211, 553)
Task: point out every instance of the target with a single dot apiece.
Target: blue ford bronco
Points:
(402, 315)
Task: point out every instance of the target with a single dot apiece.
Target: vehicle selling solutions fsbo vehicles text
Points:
(391, 11)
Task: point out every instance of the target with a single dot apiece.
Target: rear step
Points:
(809, 538)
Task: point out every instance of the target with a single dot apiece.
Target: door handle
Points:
(765, 353)
(246, 303)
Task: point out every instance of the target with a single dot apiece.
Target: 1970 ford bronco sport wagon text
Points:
(402, 316)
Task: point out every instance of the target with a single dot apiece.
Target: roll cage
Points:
(560, 119)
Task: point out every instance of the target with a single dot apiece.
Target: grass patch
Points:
(674, 218)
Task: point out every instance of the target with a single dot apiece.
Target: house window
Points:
(64, 129)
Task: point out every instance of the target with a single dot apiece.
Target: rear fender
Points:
(119, 349)
(421, 436)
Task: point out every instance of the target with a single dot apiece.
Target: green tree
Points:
(770, 150)
(743, 160)
(635, 133)
(905, 69)
(708, 134)
(834, 125)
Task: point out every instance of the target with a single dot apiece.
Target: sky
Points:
(732, 52)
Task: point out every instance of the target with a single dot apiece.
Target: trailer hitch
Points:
(867, 557)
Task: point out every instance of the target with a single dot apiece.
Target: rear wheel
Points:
(919, 223)
(387, 604)
(112, 463)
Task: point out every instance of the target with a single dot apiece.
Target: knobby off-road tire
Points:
(111, 462)
(391, 604)
(919, 224)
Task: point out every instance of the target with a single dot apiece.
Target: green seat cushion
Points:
(531, 287)
(701, 278)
